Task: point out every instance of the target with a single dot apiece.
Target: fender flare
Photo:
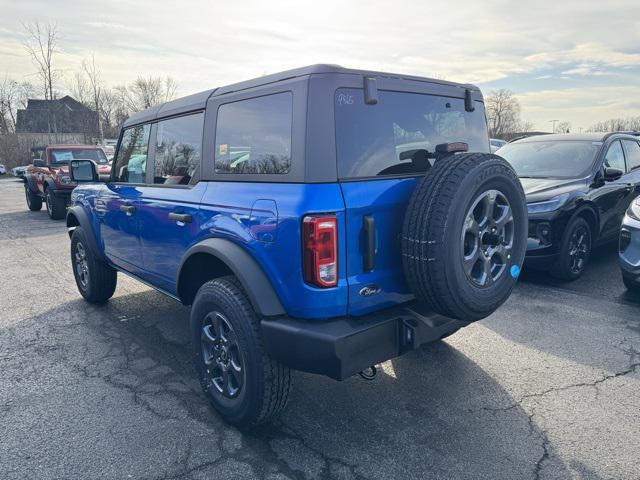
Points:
(29, 181)
(50, 184)
(593, 209)
(83, 221)
(253, 279)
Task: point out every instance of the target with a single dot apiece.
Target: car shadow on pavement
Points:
(432, 413)
(593, 321)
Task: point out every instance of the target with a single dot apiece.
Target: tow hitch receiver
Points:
(369, 373)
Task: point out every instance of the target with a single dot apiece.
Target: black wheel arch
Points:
(217, 257)
(589, 212)
(77, 217)
(30, 183)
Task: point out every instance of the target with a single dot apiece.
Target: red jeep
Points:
(48, 180)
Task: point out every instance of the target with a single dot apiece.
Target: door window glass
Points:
(254, 136)
(615, 157)
(131, 163)
(633, 154)
(178, 150)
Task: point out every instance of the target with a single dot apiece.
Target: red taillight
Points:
(320, 250)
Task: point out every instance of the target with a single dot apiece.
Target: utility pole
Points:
(553, 125)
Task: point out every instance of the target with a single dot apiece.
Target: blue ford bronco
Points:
(321, 219)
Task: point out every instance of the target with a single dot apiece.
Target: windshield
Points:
(399, 134)
(66, 155)
(556, 159)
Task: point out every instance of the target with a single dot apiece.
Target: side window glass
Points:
(178, 150)
(131, 163)
(615, 157)
(633, 154)
(254, 135)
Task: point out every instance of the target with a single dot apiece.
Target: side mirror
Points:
(611, 174)
(83, 171)
(38, 162)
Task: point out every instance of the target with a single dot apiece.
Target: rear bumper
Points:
(343, 347)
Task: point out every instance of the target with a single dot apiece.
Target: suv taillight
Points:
(320, 250)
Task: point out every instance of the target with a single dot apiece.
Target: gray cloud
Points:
(204, 44)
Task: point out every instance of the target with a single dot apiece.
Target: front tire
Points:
(34, 202)
(240, 380)
(575, 250)
(95, 279)
(56, 206)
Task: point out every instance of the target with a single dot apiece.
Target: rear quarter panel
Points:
(226, 212)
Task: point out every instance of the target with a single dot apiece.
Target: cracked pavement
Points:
(547, 387)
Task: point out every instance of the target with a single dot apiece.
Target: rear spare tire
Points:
(464, 235)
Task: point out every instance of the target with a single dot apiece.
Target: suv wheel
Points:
(240, 380)
(95, 279)
(464, 235)
(575, 250)
(56, 207)
(34, 202)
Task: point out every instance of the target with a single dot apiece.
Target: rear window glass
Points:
(61, 156)
(254, 136)
(371, 139)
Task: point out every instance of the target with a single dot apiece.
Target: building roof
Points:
(62, 115)
(199, 100)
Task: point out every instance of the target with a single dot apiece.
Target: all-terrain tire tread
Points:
(276, 377)
(102, 277)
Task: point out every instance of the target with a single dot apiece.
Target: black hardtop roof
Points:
(586, 137)
(198, 101)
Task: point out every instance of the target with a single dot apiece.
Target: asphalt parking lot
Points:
(547, 387)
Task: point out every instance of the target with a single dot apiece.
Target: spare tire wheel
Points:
(464, 235)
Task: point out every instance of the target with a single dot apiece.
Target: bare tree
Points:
(8, 99)
(41, 45)
(617, 125)
(95, 84)
(79, 88)
(503, 113)
(563, 127)
(526, 126)
(13, 95)
(146, 92)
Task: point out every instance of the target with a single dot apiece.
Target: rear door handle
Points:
(369, 225)
(128, 209)
(180, 217)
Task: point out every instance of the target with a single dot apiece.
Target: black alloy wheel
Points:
(222, 356)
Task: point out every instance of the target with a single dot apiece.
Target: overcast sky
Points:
(568, 60)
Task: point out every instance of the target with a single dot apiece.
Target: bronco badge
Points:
(369, 290)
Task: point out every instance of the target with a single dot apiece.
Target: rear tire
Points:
(95, 279)
(575, 250)
(56, 206)
(464, 235)
(240, 380)
(34, 202)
